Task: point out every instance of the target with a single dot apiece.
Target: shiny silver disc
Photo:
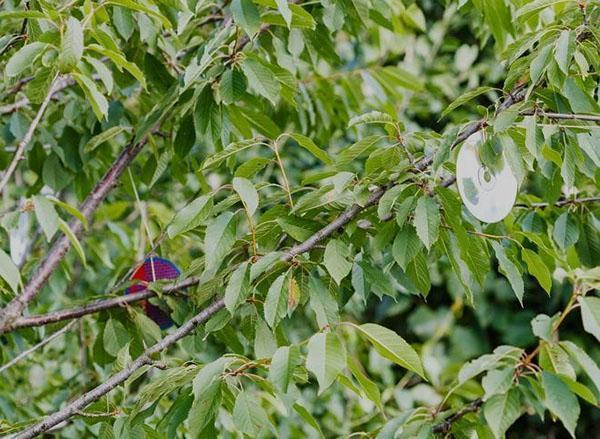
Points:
(488, 195)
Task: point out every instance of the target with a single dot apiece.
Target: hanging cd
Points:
(489, 195)
(153, 269)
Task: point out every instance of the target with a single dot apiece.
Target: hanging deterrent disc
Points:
(153, 269)
(489, 195)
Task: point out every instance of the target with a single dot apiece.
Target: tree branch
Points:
(60, 247)
(561, 203)
(145, 359)
(37, 346)
(444, 426)
(27, 137)
(97, 306)
(23, 102)
(568, 116)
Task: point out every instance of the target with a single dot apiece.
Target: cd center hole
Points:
(487, 176)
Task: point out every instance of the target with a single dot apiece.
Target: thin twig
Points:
(27, 137)
(37, 346)
(567, 116)
(561, 203)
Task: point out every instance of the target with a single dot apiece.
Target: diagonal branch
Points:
(60, 247)
(42, 343)
(344, 218)
(444, 426)
(145, 359)
(28, 136)
(83, 401)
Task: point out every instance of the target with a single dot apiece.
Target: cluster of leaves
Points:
(264, 121)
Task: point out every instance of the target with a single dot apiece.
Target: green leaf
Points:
(539, 64)
(497, 381)
(232, 86)
(115, 337)
(205, 406)
(418, 272)
(501, 411)
(585, 362)
(147, 327)
(46, 216)
(305, 414)
(191, 216)
(322, 302)
(72, 210)
(283, 363)
(538, 269)
(265, 344)
(276, 301)
(563, 52)
(362, 147)
(371, 117)
(24, 58)
(218, 241)
(427, 220)
(97, 100)
(121, 62)
(245, 189)
(238, 287)
(284, 9)
(534, 7)
(72, 46)
(64, 227)
(369, 387)
(560, 401)
(246, 15)
(590, 314)
(231, 150)
(261, 79)
(326, 358)
(310, 146)
(138, 6)
(391, 346)
(336, 260)
(406, 246)
(248, 415)
(103, 72)
(510, 270)
(541, 326)
(566, 230)
(464, 98)
(104, 136)
(9, 271)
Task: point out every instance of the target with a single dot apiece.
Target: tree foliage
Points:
(297, 161)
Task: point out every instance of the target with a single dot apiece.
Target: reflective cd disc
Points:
(489, 195)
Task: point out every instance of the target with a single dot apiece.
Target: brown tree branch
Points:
(15, 308)
(83, 401)
(347, 216)
(27, 137)
(565, 116)
(44, 342)
(23, 102)
(60, 247)
(444, 426)
(97, 306)
(561, 203)
(186, 328)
